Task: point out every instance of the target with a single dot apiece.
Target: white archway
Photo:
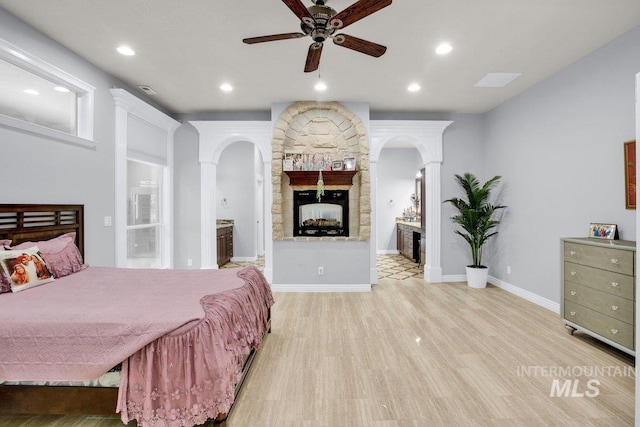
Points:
(426, 136)
(215, 136)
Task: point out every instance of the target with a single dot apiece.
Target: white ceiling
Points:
(186, 49)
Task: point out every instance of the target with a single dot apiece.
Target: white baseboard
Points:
(452, 278)
(388, 252)
(528, 295)
(324, 287)
(522, 293)
(244, 259)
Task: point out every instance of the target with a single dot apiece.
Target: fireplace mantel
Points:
(329, 177)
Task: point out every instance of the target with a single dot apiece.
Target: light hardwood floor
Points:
(417, 354)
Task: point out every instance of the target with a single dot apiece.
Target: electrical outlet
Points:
(189, 262)
(508, 269)
(320, 271)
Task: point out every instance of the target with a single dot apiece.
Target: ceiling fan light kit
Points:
(320, 22)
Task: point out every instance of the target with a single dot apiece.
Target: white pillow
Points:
(25, 268)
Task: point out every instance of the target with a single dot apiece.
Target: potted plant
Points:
(475, 217)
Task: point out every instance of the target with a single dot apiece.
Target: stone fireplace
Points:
(317, 127)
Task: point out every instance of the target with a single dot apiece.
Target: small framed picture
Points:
(349, 163)
(603, 231)
(337, 165)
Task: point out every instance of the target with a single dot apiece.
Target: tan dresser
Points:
(598, 289)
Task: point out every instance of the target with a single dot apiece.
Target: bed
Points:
(183, 340)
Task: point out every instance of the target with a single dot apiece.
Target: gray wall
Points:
(559, 147)
(236, 184)
(62, 173)
(186, 197)
(397, 168)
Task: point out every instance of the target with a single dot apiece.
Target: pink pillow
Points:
(5, 283)
(60, 253)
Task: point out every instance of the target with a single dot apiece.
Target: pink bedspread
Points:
(186, 330)
(80, 326)
(184, 378)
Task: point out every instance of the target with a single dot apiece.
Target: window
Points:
(36, 97)
(144, 222)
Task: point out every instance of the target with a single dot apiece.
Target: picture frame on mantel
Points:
(349, 163)
(603, 231)
(337, 165)
(630, 174)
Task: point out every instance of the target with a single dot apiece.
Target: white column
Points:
(432, 203)
(268, 231)
(208, 215)
(373, 269)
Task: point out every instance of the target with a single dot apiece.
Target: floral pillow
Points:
(25, 268)
(60, 253)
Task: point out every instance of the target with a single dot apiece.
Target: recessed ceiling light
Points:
(226, 87)
(126, 50)
(320, 86)
(497, 79)
(61, 89)
(444, 48)
(413, 87)
(31, 92)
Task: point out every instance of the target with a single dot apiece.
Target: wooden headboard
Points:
(22, 223)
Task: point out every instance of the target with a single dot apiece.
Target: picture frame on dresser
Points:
(603, 231)
(630, 174)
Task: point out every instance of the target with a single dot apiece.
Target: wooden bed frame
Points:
(30, 222)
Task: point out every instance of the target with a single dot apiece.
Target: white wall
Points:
(559, 147)
(397, 168)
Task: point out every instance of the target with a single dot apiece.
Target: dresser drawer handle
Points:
(573, 273)
(614, 260)
(573, 292)
(614, 284)
(573, 252)
(573, 313)
(614, 307)
(614, 331)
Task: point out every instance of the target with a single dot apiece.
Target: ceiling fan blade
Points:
(357, 11)
(274, 37)
(360, 45)
(313, 57)
(299, 9)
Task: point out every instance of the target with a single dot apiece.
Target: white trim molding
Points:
(129, 105)
(427, 137)
(215, 136)
(84, 95)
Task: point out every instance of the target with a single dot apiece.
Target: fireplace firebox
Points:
(327, 217)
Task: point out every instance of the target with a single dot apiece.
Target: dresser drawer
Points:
(606, 281)
(617, 260)
(608, 327)
(612, 305)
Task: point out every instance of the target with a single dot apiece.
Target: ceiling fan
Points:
(320, 22)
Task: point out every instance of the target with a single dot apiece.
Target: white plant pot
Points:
(477, 277)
